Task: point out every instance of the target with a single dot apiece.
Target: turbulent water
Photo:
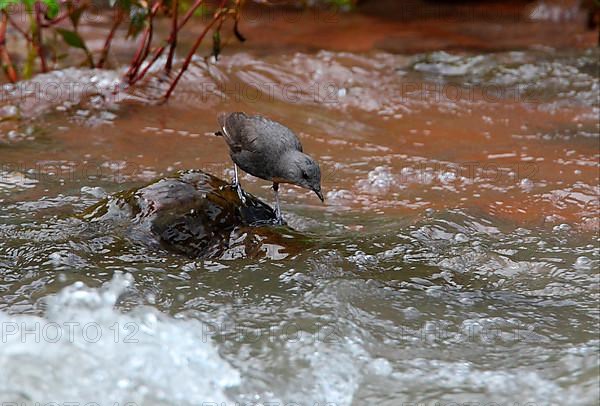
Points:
(455, 260)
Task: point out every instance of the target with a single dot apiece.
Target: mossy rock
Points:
(195, 214)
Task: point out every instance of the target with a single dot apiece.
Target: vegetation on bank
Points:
(45, 21)
(51, 27)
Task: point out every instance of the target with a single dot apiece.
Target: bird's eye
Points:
(304, 175)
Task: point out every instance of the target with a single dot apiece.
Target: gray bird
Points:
(270, 151)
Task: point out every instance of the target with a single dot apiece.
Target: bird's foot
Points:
(279, 221)
(240, 192)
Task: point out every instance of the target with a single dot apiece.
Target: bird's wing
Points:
(257, 134)
(279, 137)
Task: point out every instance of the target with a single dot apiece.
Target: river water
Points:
(455, 257)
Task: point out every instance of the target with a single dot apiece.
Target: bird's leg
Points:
(278, 216)
(236, 184)
(236, 180)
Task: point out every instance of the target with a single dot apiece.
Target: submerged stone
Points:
(195, 214)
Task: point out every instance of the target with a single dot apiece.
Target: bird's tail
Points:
(224, 131)
(230, 125)
(221, 118)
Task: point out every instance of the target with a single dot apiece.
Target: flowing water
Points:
(456, 256)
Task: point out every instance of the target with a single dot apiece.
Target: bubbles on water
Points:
(447, 177)
(460, 238)
(526, 184)
(527, 78)
(583, 263)
(63, 88)
(447, 64)
(554, 11)
(9, 111)
(381, 367)
(362, 260)
(339, 197)
(564, 227)
(379, 180)
(464, 379)
(16, 180)
(412, 313)
(66, 260)
(94, 191)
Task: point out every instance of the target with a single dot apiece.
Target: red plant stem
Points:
(143, 49)
(137, 56)
(56, 20)
(218, 16)
(9, 68)
(172, 38)
(38, 38)
(19, 29)
(158, 52)
(189, 14)
(157, 55)
(150, 35)
(111, 34)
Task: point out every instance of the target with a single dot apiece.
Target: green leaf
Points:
(52, 8)
(4, 4)
(137, 20)
(124, 4)
(72, 38)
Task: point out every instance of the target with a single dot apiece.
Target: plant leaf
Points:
(123, 4)
(137, 20)
(52, 8)
(72, 38)
(4, 4)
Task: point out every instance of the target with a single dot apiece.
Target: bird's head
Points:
(305, 172)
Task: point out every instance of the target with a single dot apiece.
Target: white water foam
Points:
(84, 350)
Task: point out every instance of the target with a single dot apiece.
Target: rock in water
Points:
(192, 213)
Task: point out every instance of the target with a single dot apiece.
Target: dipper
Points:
(268, 150)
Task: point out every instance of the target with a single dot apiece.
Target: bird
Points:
(268, 150)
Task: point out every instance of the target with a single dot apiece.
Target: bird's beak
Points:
(318, 193)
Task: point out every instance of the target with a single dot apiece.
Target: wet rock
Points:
(195, 214)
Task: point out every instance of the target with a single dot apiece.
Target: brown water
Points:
(457, 256)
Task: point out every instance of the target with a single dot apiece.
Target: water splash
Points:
(84, 350)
